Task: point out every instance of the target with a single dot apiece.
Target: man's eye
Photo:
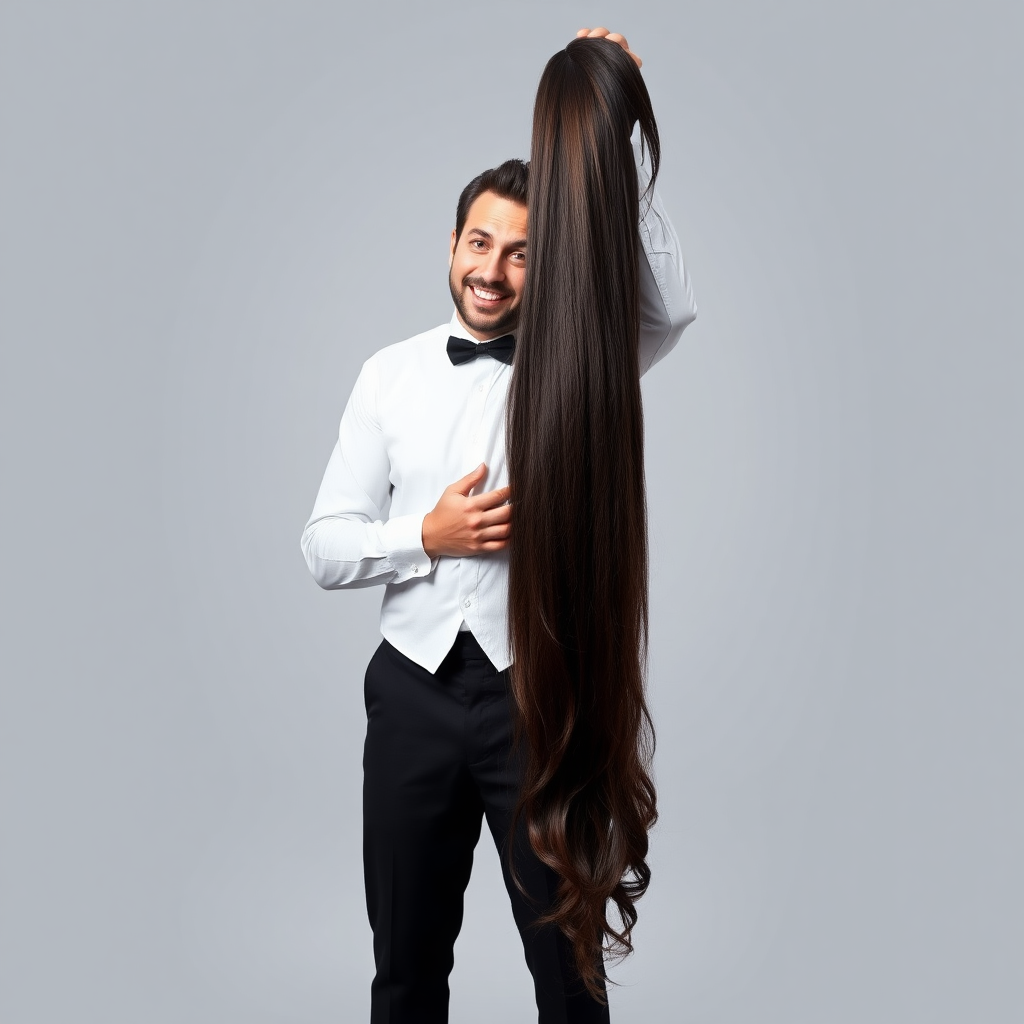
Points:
(519, 257)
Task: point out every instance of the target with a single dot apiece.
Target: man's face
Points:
(487, 267)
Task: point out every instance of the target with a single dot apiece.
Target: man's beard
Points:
(504, 324)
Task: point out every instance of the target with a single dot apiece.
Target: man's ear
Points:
(451, 250)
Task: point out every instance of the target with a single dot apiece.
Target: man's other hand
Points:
(612, 37)
(463, 525)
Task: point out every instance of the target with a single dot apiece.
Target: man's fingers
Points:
(618, 37)
(494, 539)
(491, 499)
(494, 516)
(613, 37)
(495, 533)
(470, 480)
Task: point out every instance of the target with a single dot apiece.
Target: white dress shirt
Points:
(415, 424)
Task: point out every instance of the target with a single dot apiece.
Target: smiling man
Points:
(487, 264)
(439, 752)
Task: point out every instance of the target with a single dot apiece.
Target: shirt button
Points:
(480, 388)
(467, 602)
(415, 569)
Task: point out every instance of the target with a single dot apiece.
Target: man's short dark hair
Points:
(508, 181)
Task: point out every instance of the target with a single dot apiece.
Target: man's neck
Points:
(478, 335)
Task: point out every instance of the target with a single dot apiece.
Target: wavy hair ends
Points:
(578, 573)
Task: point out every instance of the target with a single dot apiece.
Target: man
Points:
(439, 754)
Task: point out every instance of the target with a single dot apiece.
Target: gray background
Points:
(213, 212)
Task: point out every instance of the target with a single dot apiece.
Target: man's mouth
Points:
(486, 295)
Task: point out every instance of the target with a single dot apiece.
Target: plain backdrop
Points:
(212, 212)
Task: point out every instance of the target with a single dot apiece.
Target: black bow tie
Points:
(461, 351)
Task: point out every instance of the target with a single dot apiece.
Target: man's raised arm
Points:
(666, 295)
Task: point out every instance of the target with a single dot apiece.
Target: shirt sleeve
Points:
(666, 295)
(347, 542)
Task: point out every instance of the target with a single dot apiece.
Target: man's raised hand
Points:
(612, 37)
(463, 525)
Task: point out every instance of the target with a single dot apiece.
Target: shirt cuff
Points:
(403, 536)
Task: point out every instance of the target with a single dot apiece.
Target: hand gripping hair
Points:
(578, 547)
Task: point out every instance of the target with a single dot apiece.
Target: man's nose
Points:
(494, 267)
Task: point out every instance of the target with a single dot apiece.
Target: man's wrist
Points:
(427, 536)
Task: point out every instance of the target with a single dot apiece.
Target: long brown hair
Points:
(578, 546)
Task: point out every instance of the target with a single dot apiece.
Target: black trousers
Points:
(438, 759)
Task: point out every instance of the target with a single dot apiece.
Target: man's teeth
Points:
(489, 296)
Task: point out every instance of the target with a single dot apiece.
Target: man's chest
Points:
(438, 430)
